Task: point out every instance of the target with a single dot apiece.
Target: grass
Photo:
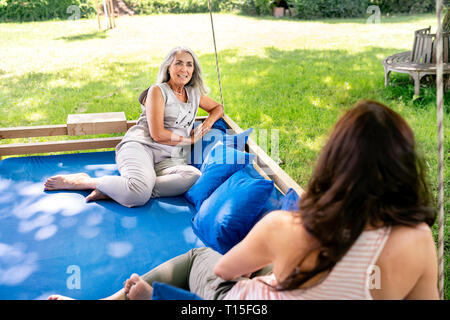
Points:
(294, 78)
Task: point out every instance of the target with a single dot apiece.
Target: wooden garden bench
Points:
(419, 62)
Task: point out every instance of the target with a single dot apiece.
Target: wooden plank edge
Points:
(58, 146)
(50, 130)
(34, 131)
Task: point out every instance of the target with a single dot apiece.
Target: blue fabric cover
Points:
(221, 125)
(290, 201)
(201, 149)
(163, 291)
(56, 243)
(221, 163)
(226, 217)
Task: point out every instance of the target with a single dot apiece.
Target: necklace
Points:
(179, 93)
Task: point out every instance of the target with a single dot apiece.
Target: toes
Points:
(90, 196)
(135, 278)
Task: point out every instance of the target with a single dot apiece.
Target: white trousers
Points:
(138, 180)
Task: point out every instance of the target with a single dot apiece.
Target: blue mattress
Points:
(55, 242)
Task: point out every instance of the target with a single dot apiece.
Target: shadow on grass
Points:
(301, 93)
(274, 83)
(86, 36)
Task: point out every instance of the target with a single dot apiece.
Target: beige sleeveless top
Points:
(178, 117)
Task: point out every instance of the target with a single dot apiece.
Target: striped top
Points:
(350, 279)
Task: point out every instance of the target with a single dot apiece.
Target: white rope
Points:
(215, 50)
(440, 129)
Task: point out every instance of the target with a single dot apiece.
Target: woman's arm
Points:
(215, 111)
(252, 253)
(154, 108)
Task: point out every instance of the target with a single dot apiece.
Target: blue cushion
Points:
(163, 291)
(200, 150)
(226, 217)
(221, 163)
(290, 201)
(220, 125)
(275, 198)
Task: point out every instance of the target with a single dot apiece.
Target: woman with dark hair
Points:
(362, 230)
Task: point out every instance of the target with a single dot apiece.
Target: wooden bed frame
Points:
(115, 122)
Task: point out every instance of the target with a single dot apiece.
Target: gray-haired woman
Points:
(152, 156)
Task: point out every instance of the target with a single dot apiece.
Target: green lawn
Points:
(294, 78)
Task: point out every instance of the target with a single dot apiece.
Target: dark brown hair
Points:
(368, 173)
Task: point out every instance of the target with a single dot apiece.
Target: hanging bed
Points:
(56, 242)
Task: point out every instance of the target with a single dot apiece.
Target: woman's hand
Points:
(196, 134)
(215, 112)
(206, 126)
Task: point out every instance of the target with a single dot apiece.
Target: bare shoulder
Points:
(408, 255)
(404, 242)
(155, 99)
(155, 92)
(287, 227)
(281, 219)
(402, 236)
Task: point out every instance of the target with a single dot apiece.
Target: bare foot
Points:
(137, 289)
(58, 297)
(76, 181)
(96, 195)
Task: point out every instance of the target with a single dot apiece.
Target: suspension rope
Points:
(440, 129)
(215, 50)
(440, 115)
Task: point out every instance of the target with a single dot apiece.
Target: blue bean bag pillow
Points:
(291, 201)
(163, 291)
(221, 162)
(225, 218)
(276, 197)
(201, 149)
(220, 125)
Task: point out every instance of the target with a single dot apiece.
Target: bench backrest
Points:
(424, 49)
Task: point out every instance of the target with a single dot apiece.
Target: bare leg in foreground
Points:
(135, 288)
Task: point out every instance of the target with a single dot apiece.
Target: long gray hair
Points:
(196, 80)
(163, 73)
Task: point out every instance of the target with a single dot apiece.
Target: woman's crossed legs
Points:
(137, 183)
